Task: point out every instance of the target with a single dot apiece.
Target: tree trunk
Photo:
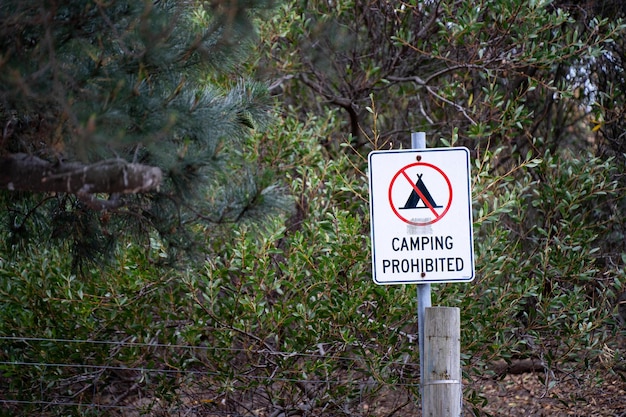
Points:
(22, 172)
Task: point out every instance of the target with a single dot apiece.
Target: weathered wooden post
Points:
(441, 387)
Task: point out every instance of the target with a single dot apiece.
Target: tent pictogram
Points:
(420, 192)
(420, 196)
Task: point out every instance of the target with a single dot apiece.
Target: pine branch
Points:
(23, 172)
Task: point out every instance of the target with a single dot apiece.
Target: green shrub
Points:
(284, 314)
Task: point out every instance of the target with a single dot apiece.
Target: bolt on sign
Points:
(421, 216)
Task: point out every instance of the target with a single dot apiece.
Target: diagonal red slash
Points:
(419, 193)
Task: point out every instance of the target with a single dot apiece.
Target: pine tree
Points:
(115, 120)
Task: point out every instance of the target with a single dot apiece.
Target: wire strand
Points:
(201, 348)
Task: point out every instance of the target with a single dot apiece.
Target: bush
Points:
(284, 315)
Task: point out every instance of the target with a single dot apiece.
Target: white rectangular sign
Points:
(421, 216)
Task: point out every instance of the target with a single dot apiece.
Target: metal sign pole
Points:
(418, 141)
(406, 250)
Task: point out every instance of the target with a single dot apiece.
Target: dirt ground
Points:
(527, 395)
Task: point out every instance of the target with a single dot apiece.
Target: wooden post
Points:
(441, 386)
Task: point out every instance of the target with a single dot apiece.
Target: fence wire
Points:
(274, 385)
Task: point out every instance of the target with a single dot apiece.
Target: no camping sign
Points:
(421, 216)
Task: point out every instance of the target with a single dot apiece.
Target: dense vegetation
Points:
(126, 119)
(279, 313)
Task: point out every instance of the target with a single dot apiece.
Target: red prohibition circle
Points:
(402, 173)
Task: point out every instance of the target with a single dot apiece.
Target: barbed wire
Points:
(49, 404)
(266, 351)
(67, 404)
(180, 371)
(92, 372)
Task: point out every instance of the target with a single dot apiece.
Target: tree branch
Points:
(23, 172)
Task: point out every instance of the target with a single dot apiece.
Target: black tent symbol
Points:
(414, 198)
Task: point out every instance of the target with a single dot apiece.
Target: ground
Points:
(528, 394)
(569, 395)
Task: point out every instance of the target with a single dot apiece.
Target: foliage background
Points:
(282, 315)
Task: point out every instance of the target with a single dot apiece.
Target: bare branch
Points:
(23, 172)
